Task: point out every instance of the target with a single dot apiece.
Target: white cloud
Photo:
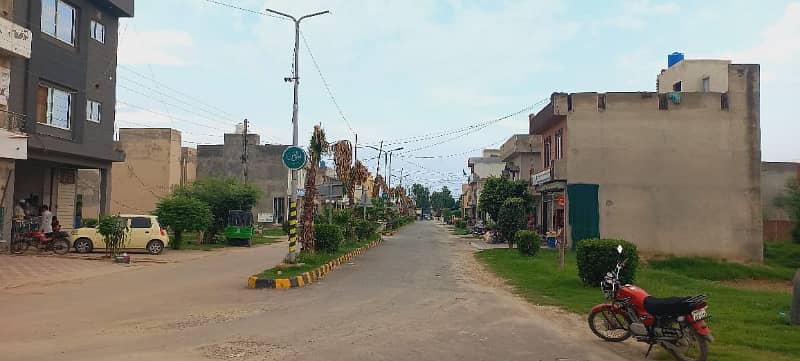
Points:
(778, 53)
(162, 47)
(780, 42)
(634, 14)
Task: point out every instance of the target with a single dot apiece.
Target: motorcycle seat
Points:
(670, 306)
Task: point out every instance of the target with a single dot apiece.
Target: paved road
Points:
(418, 296)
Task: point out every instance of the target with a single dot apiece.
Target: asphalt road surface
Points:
(420, 295)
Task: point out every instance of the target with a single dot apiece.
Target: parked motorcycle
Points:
(57, 242)
(675, 323)
(478, 229)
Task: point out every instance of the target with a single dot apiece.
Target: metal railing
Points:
(12, 122)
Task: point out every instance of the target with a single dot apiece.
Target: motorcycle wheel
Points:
(692, 347)
(60, 246)
(610, 326)
(19, 246)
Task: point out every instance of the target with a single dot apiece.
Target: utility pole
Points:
(244, 151)
(292, 256)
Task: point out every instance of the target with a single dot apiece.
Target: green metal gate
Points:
(584, 212)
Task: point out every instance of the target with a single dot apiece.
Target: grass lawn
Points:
(782, 254)
(460, 231)
(190, 241)
(311, 262)
(273, 232)
(745, 323)
(713, 270)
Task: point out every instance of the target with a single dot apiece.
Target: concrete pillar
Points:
(796, 299)
(7, 180)
(105, 191)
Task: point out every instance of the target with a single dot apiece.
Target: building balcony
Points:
(13, 142)
(556, 172)
(15, 40)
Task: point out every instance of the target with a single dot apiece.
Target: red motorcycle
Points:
(57, 242)
(676, 323)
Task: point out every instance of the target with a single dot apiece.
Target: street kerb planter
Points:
(311, 276)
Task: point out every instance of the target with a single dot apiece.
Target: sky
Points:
(416, 73)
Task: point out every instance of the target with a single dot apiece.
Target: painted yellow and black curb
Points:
(310, 276)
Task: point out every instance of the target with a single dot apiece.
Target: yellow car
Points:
(144, 232)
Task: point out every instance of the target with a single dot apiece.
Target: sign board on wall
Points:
(541, 177)
(265, 218)
(15, 39)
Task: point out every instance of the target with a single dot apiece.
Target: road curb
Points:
(309, 277)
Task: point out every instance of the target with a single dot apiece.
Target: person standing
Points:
(19, 210)
(47, 221)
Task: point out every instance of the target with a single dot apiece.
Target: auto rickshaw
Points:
(239, 230)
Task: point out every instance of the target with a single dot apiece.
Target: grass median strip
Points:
(311, 262)
(746, 323)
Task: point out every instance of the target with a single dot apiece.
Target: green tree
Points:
(317, 147)
(114, 231)
(512, 218)
(222, 195)
(422, 196)
(790, 201)
(495, 192)
(441, 200)
(183, 214)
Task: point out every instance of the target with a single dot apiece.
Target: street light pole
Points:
(295, 108)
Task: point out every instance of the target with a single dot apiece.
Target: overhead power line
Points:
(461, 131)
(325, 83)
(220, 3)
(470, 131)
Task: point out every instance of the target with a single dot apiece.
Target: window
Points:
(559, 148)
(677, 86)
(141, 222)
(58, 20)
(93, 109)
(98, 31)
(54, 107)
(547, 153)
(706, 85)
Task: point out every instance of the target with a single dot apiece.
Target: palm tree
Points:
(317, 148)
(343, 158)
(358, 176)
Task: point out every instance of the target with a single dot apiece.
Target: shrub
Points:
(461, 224)
(528, 242)
(328, 238)
(89, 222)
(364, 229)
(596, 257)
(183, 214)
(511, 219)
(114, 231)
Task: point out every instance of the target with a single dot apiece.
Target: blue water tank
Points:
(322, 164)
(674, 58)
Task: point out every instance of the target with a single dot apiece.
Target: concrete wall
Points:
(189, 165)
(150, 171)
(774, 176)
(265, 168)
(691, 73)
(490, 153)
(525, 152)
(680, 181)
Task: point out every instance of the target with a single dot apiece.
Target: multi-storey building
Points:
(676, 171)
(62, 98)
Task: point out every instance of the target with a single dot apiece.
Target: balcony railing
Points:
(12, 122)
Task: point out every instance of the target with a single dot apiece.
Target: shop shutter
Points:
(584, 213)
